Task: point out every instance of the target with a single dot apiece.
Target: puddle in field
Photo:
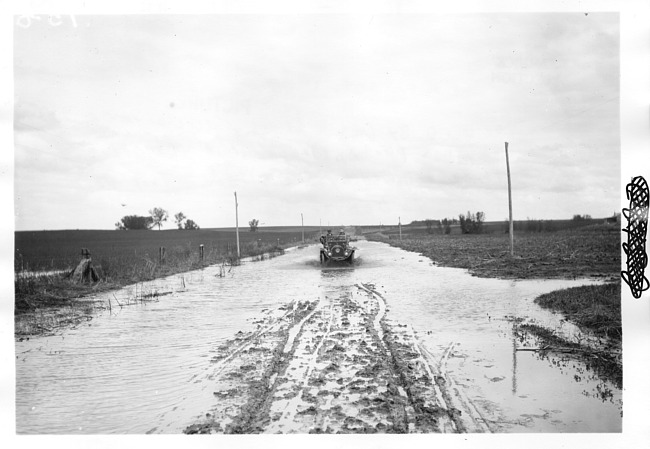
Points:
(146, 367)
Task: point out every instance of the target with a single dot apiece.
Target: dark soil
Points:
(592, 251)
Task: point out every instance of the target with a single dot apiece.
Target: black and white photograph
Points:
(358, 221)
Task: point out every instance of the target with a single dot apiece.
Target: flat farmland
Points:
(587, 251)
(488, 227)
(60, 250)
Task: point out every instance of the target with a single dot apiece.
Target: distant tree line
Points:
(471, 223)
(134, 222)
(438, 226)
(185, 223)
(156, 217)
(474, 223)
(533, 225)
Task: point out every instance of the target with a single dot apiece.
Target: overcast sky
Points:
(349, 119)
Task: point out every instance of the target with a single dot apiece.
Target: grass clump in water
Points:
(594, 307)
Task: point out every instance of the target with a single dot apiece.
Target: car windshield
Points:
(337, 238)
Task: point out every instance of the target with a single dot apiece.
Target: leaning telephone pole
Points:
(237, 224)
(511, 230)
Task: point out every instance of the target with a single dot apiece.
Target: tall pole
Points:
(511, 229)
(237, 224)
(302, 226)
(399, 220)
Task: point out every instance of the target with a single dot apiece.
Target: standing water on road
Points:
(159, 367)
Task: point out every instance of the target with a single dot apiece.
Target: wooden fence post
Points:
(161, 254)
(201, 252)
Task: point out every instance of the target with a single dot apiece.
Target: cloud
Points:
(342, 116)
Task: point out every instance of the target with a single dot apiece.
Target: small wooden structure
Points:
(85, 272)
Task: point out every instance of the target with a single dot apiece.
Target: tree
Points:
(158, 215)
(463, 223)
(254, 223)
(429, 224)
(471, 223)
(446, 224)
(179, 218)
(133, 222)
(480, 219)
(190, 225)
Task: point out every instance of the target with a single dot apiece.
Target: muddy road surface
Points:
(329, 366)
(391, 344)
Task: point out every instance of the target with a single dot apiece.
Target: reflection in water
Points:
(337, 272)
(146, 367)
(596, 378)
(514, 359)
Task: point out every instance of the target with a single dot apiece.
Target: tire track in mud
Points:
(335, 365)
(473, 420)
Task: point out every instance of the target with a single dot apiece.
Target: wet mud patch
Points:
(243, 370)
(331, 366)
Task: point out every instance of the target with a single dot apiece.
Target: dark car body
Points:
(336, 248)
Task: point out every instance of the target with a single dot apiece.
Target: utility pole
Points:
(237, 224)
(399, 221)
(511, 229)
(302, 226)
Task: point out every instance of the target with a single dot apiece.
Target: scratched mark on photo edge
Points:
(637, 225)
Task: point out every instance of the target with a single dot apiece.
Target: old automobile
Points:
(336, 248)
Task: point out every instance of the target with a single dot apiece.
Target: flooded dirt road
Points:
(391, 344)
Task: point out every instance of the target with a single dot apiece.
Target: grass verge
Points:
(46, 302)
(593, 307)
